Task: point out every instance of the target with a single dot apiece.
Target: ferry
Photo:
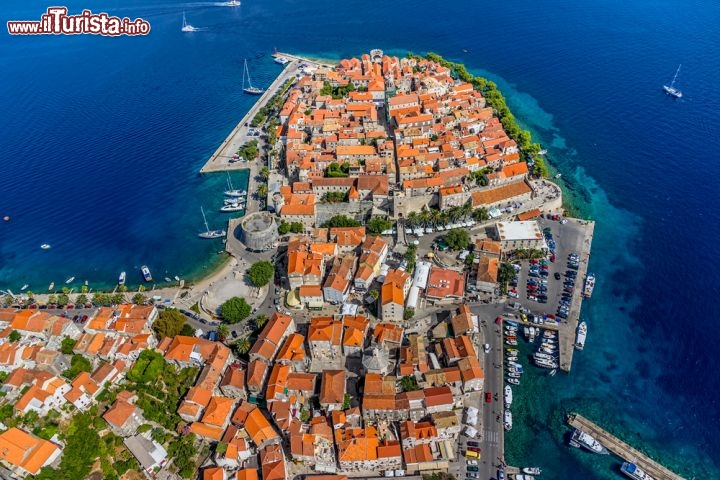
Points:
(508, 420)
(121, 278)
(581, 334)
(633, 471)
(508, 395)
(589, 285)
(69, 280)
(584, 440)
(147, 276)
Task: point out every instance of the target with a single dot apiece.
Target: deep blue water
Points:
(102, 139)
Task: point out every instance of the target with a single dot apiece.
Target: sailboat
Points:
(231, 192)
(209, 233)
(670, 89)
(250, 89)
(186, 26)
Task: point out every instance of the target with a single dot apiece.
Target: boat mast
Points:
(672, 84)
(244, 70)
(207, 229)
(184, 20)
(247, 71)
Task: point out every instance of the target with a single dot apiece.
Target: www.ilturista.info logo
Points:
(57, 22)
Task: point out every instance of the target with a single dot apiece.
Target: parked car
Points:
(473, 444)
(488, 397)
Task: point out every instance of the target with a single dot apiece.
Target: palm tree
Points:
(261, 320)
(480, 214)
(223, 331)
(454, 214)
(424, 218)
(413, 219)
(242, 345)
(466, 209)
(264, 173)
(262, 190)
(435, 217)
(139, 299)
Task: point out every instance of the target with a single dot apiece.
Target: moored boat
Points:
(121, 278)
(69, 280)
(51, 286)
(24, 287)
(168, 279)
(177, 278)
(233, 207)
(514, 381)
(514, 351)
(532, 470)
(147, 276)
(508, 423)
(589, 285)
(508, 395)
(584, 440)
(670, 89)
(581, 334)
(514, 374)
(633, 471)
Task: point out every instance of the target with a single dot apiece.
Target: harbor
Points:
(621, 449)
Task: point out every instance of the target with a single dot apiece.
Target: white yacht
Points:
(208, 233)
(250, 89)
(508, 420)
(233, 3)
(45, 246)
(532, 470)
(121, 278)
(581, 334)
(508, 395)
(232, 192)
(233, 207)
(670, 89)
(282, 60)
(633, 471)
(584, 440)
(69, 280)
(186, 27)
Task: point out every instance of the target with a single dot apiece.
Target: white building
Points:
(520, 235)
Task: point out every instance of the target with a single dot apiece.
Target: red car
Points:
(488, 397)
(534, 261)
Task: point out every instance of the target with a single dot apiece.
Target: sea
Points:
(101, 141)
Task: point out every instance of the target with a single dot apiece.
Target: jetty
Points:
(567, 330)
(622, 449)
(220, 161)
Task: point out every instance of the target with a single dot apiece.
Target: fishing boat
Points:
(250, 89)
(52, 286)
(508, 420)
(121, 278)
(541, 362)
(584, 440)
(543, 356)
(45, 246)
(633, 471)
(508, 397)
(532, 470)
(208, 233)
(186, 27)
(589, 285)
(511, 342)
(670, 89)
(232, 192)
(147, 276)
(24, 287)
(69, 280)
(581, 334)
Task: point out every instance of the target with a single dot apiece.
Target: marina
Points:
(622, 449)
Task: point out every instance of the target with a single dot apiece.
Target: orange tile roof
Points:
(301, 381)
(312, 291)
(332, 389)
(388, 332)
(488, 269)
(325, 329)
(24, 450)
(256, 373)
(348, 236)
(498, 194)
(445, 283)
(119, 413)
(208, 431)
(217, 411)
(213, 473)
(529, 215)
(293, 349)
(273, 463)
(247, 474)
(277, 382)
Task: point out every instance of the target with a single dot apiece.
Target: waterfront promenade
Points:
(240, 135)
(622, 449)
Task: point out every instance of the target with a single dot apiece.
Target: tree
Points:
(242, 346)
(264, 174)
(168, 324)
(346, 401)
(480, 214)
(14, 336)
(78, 364)
(261, 273)
(261, 320)
(506, 272)
(457, 239)
(377, 225)
(223, 331)
(262, 190)
(409, 384)
(63, 299)
(183, 453)
(67, 345)
(375, 294)
(408, 313)
(470, 259)
(284, 228)
(139, 299)
(341, 221)
(52, 298)
(235, 310)
(82, 299)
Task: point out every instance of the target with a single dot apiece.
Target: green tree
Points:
(139, 299)
(235, 310)
(346, 401)
(243, 345)
(14, 336)
(223, 331)
(262, 190)
(63, 299)
(261, 320)
(408, 313)
(506, 272)
(284, 228)
(409, 384)
(261, 273)
(457, 239)
(100, 298)
(183, 453)
(82, 299)
(67, 345)
(168, 324)
(52, 298)
(83, 446)
(117, 298)
(123, 288)
(377, 225)
(375, 294)
(264, 174)
(341, 221)
(480, 214)
(78, 364)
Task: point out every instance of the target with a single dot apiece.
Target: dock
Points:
(567, 330)
(239, 136)
(622, 449)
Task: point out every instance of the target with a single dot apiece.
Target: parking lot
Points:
(537, 280)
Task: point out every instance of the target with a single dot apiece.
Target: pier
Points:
(567, 330)
(239, 136)
(622, 449)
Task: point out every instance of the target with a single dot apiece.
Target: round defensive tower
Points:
(259, 231)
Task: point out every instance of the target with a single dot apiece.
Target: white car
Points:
(487, 348)
(472, 462)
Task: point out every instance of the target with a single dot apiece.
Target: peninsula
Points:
(401, 239)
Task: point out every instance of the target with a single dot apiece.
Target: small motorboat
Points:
(45, 246)
(177, 279)
(51, 286)
(168, 279)
(514, 381)
(69, 280)
(121, 278)
(514, 374)
(512, 359)
(532, 470)
(553, 372)
(24, 287)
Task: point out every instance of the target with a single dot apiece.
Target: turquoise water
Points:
(102, 140)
